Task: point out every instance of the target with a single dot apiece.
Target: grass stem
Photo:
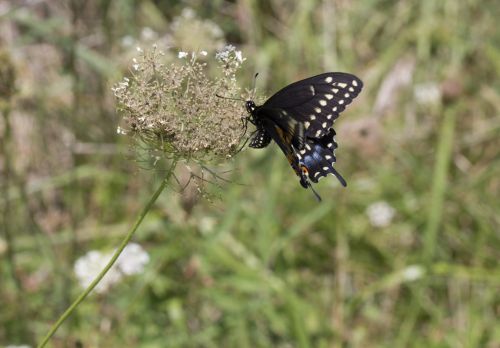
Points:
(111, 262)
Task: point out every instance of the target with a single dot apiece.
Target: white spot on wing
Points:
(335, 90)
(325, 168)
(307, 124)
(322, 102)
(351, 89)
(346, 95)
(329, 96)
(334, 109)
(328, 157)
(329, 116)
(308, 147)
(318, 133)
(341, 101)
(342, 84)
(312, 117)
(354, 83)
(318, 110)
(323, 125)
(329, 79)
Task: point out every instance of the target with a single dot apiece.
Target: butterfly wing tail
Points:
(339, 177)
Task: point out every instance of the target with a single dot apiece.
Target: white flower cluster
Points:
(183, 54)
(228, 53)
(380, 214)
(132, 261)
(121, 86)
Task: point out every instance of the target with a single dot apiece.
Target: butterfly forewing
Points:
(318, 100)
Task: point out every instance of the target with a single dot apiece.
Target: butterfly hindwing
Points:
(318, 157)
(284, 140)
(318, 100)
(293, 130)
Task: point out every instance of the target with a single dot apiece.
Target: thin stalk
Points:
(110, 264)
(439, 184)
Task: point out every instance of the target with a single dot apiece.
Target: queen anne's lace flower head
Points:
(380, 214)
(174, 107)
(132, 261)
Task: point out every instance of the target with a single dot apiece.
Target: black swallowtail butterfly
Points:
(300, 117)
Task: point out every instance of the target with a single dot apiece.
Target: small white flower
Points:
(239, 56)
(413, 272)
(120, 130)
(157, 158)
(148, 34)
(133, 259)
(138, 49)
(203, 53)
(182, 54)
(380, 214)
(127, 41)
(427, 93)
(136, 66)
(207, 224)
(188, 13)
(215, 30)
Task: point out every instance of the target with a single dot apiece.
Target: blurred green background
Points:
(406, 256)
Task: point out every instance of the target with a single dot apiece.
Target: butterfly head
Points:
(250, 105)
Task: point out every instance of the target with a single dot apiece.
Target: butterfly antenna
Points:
(254, 85)
(222, 97)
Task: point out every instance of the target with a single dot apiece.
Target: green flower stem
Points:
(117, 253)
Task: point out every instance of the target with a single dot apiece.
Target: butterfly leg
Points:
(246, 141)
